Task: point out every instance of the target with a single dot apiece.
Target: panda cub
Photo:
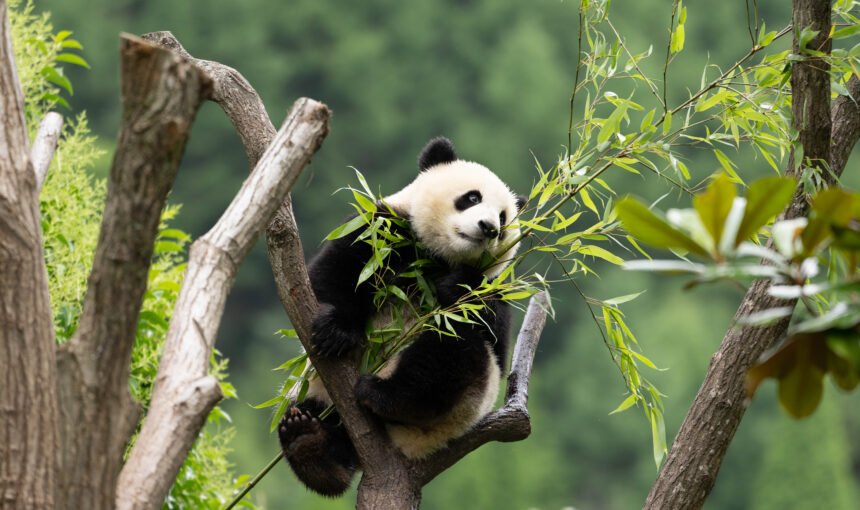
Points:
(439, 386)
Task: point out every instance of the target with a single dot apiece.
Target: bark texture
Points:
(28, 400)
(184, 392)
(691, 468)
(45, 144)
(161, 93)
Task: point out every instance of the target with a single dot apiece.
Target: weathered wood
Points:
(44, 145)
(691, 468)
(184, 392)
(28, 399)
(161, 93)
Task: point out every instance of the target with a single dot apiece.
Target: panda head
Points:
(459, 210)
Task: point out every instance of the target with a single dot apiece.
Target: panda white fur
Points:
(439, 386)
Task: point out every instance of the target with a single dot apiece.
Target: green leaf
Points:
(626, 404)
(714, 204)
(765, 199)
(597, 251)
(347, 228)
(646, 226)
(800, 390)
(72, 59)
(54, 76)
(622, 299)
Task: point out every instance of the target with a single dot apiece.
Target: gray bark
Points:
(28, 399)
(184, 392)
(161, 93)
(44, 145)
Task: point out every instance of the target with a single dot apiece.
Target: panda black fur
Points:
(439, 386)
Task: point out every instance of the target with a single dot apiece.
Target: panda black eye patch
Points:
(503, 218)
(467, 200)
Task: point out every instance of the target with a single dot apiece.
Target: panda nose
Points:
(489, 230)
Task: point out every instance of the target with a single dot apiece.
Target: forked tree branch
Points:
(161, 93)
(45, 144)
(827, 135)
(184, 392)
(389, 480)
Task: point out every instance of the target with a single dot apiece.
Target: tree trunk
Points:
(690, 471)
(160, 94)
(28, 401)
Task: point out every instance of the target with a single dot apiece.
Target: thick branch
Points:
(511, 422)
(691, 468)
(161, 93)
(234, 94)
(45, 144)
(184, 392)
(28, 400)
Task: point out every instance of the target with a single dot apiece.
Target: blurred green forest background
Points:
(495, 76)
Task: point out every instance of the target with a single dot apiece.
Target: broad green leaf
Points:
(800, 390)
(646, 226)
(72, 59)
(714, 204)
(765, 199)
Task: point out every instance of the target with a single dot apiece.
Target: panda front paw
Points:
(298, 427)
(452, 286)
(329, 339)
(366, 393)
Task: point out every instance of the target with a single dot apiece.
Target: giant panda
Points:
(438, 387)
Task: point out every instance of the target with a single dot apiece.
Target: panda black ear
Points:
(521, 202)
(437, 151)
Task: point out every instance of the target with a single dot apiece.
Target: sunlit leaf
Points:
(766, 198)
(714, 204)
(646, 226)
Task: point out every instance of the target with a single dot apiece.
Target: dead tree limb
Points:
(45, 144)
(184, 392)
(161, 93)
(694, 460)
(28, 399)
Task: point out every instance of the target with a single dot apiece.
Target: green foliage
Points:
(71, 204)
(824, 340)
(39, 55)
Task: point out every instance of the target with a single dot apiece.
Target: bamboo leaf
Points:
(646, 226)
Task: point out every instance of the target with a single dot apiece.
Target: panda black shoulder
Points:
(438, 151)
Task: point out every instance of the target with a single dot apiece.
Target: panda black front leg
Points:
(456, 282)
(319, 451)
(329, 337)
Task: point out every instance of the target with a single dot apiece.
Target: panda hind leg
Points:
(318, 451)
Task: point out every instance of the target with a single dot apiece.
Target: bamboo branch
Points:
(161, 93)
(185, 392)
(45, 144)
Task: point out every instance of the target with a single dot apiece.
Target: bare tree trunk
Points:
(28, 400)
(161, 93)
(184, 392)
(694, 460)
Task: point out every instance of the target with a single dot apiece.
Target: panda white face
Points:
(459, 210)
